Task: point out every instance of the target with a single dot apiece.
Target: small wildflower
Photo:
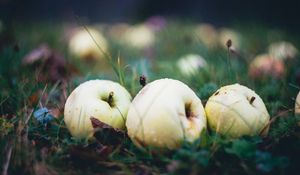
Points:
(43, 116)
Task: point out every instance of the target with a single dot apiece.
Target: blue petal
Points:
(43, 116)
(40, 113)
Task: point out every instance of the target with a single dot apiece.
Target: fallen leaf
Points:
(48, 63)
(98, 124)
(41, 53)
(106, 134)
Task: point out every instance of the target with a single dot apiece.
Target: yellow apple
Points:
(104, 100)
(140, 37)
(235, 111)
(83, 44)
(164, 114)
(207, 34)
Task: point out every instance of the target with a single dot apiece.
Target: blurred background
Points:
(275, 13)
(152, 33)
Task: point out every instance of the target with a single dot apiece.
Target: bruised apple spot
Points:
(217, 93)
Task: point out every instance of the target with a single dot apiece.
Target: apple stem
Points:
(110, 98)
(188, 111)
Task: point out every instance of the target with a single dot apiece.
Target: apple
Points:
(236, 111)
(265, 65)
(190, 64)
(208, 35)
(104, 100)
(83, 44)
(297, 105)
(139, 36)
(283, 50)
(226, 34)
(164, 114)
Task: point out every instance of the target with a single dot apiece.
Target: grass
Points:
(28, 147)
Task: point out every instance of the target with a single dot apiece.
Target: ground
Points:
(32, 147)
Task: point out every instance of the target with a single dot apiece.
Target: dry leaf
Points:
(98, 124)
(49, 64)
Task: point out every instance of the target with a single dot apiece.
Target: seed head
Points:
(143, 80)
(229, 43)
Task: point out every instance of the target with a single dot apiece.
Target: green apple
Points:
(83, 44)
(190, 64)
(164, 114)
(105, 100)
(297, 105)
(236, 111)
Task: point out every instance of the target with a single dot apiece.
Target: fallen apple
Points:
(139, 37)
(164, 114)
(297, 105)
(104, 100)
(190, 64)
(265, 65)
(84, 44)
(207, 34)
(283, 50)
(236, 111)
